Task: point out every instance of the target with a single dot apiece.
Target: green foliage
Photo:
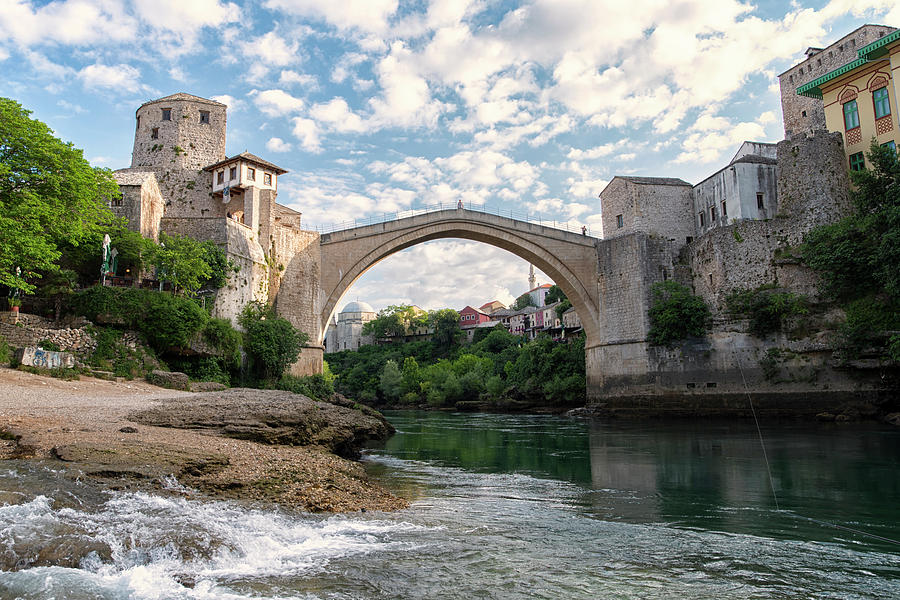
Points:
(444, 324)
(858, 257)
(181, 261)
(226, 339)
(498, 369)
(737, 235)
(395, 322)
(562, 308)
(49, 345)
(523, 301)
(49, 195)
(391, 384)
(111, 354)
(554, 294)
(4, 351)
(318, 386)
(675, 314)
(165, 321)
(271, 342)
(766, 307)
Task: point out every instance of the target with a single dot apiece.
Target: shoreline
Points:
(88, 428)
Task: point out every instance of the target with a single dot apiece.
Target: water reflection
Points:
(708, 474)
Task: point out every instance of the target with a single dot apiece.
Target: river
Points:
(504, 506)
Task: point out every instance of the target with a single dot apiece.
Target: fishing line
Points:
(772, 481)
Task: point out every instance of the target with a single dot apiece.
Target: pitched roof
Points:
(249, 158)
(653, 180)
(182, 96)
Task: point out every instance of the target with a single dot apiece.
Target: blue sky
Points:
(381, 105)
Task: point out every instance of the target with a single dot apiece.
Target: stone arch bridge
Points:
(601, 278)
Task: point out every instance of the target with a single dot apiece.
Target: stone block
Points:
(169, 379)
(32, 356)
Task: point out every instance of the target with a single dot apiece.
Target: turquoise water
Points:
(502, 507)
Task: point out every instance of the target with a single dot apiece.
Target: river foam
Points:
(143, 546)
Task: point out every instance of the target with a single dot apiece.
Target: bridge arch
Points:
(569, 259)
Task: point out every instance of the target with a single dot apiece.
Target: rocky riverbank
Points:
(253, 445)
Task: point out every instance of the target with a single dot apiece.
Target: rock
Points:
(107, 375)
(208, 386)
(169, 379)
(128, 429)
(31, 356)
(893, 418)
(843, 419)
(271, 417)
(825, 416)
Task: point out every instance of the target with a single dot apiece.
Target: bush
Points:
(49, 346)
(766, 308)
(675, 314)
(317, 387)
(226, 339)
(166, 321)
(271, 342)
(4, 351)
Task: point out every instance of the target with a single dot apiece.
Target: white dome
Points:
(358, 307)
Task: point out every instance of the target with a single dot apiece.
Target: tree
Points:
(189, 264)
(49, 195)
(675, 313)
(391, 383)
(523, 301)
(445, 325)
(395, 322)
(271, 341)
(554, 294)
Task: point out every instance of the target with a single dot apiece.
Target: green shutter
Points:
(857, 162)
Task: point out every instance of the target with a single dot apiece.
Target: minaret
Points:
(531, 279)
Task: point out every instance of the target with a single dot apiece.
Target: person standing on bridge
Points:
(584, 230)
(459, 204)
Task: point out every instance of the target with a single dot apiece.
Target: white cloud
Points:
(337, 114)
(276, 144)
(231, 102)
(118, 77)
(72, 108)
(406, 98)
(712, 137)
(271, 50)
(185, 18)
(307, 132)
(276, 103)
(76, 22)
(365, 15)
(289, 77)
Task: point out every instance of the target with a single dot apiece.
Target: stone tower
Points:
(175, 137)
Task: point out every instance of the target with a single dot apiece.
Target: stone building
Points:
(806, 114)
(647, 205)
(181, 182)
(860, 98)
(743, 189)
(345, 330)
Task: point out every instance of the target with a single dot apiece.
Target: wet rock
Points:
(893, 418)
(843, 418)
(169, 379)
(825, 416)
(271, 417)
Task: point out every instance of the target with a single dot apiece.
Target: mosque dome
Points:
(358, 307)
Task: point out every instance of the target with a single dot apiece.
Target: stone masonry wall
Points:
(814, 66)
(298, 292)
(30, 330)
(659, 209)
(182, 148)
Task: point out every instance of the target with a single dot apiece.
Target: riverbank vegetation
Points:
(858, 257)
(498, 370)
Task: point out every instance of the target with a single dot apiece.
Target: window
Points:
(167, 114)
(116, 201)
(760, 202)
(267, 179)
(702, 220)
(851, 115)
(232, 174)
(712, 214)
(251, 173)
(620, 221)
(204, 116)
(891, 145)
(154, 133)
(220, 177)
(803, 113)
(138, 126)
(882, 103)
(724, 210)
(857, 162)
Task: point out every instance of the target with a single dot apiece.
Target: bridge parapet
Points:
(441, 207)
(464, 215)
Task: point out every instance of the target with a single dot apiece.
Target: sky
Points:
(377, 106)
